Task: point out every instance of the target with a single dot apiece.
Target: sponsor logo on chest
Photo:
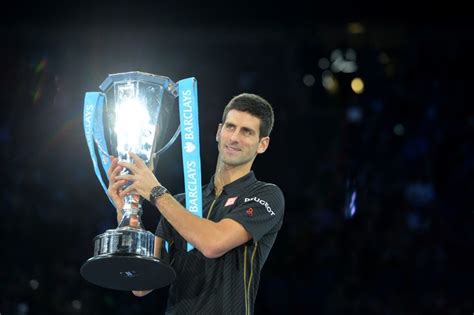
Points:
(230, 201)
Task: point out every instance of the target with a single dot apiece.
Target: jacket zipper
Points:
(212, 206)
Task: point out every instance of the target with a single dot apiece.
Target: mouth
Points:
(232, 149)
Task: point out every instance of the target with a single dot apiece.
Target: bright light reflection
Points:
(132, 125)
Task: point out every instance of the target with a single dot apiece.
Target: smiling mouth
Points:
(232, 148)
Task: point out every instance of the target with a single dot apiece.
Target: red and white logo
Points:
(230, 201)
(250, 212)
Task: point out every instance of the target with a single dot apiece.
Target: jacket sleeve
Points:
(260, 211)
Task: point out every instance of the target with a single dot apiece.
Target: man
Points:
(241, 217)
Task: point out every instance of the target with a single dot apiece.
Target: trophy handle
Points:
(170, 142)
(98, 133)
(99, 146)
(93, 104)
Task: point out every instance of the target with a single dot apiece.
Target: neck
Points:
(226, 174)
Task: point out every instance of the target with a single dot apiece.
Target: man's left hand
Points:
(142, 178)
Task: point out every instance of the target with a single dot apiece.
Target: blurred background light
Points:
(354, 114)
(324, 63)
(329, 82)
(399, 130)
(309, 80)
(76, 304)
(34, 284)
(340, 64)
(383, 58)
(357, 85)
(355, 28)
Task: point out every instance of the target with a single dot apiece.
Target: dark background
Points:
(404, 147)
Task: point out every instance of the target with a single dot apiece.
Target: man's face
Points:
(238, 138)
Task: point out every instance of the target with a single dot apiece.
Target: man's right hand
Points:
(115, 187)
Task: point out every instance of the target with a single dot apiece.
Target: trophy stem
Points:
(131, 214)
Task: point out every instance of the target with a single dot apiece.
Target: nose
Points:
(235, 136)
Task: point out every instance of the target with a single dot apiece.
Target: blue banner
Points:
(189, 122)
(94, 131)
(99, 135)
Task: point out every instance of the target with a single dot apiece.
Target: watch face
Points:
(157, 192)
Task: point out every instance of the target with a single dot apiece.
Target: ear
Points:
(218, 131)
(263, 145)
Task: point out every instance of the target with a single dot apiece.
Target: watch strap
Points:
(157, 192)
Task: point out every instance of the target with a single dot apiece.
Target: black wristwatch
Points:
(156, 193)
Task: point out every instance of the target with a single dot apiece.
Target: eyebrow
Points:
(248, 129)
(243, 128)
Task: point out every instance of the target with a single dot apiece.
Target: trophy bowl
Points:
(137, 110)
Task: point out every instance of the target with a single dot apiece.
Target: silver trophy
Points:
(136, 115)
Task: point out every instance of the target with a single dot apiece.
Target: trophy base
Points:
(127, 272)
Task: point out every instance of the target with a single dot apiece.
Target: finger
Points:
(130, 166)
(118, 185)
(112, 176)
(116, 171)
(126, 177)
(129, 190)
(137, 159)
(115, 188)
(113, 164)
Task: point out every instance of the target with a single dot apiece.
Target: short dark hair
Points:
(256, 106)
